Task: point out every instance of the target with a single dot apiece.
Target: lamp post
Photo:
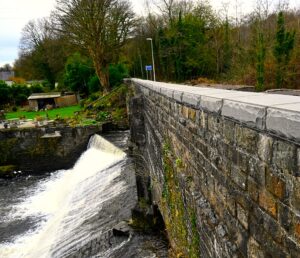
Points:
(154, 77)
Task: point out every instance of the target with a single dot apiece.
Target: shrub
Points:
(116, 74)
(94, 84)
(102, 116)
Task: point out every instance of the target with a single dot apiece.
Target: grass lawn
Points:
(62, 112)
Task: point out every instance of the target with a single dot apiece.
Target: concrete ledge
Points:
(274, 113)
(250, 114)
(167, 92)
(211, 104)
(283, 122)
(178, 95)
(191, 99)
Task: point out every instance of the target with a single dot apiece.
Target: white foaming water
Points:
(70, 201)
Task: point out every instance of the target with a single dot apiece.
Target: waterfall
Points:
(77, 207)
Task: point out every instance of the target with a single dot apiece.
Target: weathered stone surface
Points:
(229, 131)
(285, 216)
(297, 227)
(238, 180)
(250, 114)
(185, 112)
(238, 177)
(284, 157)
(167, 92)
(211, 104)
(192, 114)
(246, 139)
(268, 202)
(215, 124)
(191, 99)
(177, 95)
(253, 189)
(295, 196)
(275, 185)
(257, 171)
(242, 216)
(298, 163)
(31, 152)
(264, 147)
(284, 122)
(254, 249)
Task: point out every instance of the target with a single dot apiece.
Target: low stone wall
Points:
(38, 150)
(222, 166)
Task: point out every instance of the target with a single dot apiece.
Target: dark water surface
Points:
(71, 213)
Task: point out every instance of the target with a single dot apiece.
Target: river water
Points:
(72, 213)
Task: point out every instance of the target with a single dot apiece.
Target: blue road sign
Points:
(148, 67)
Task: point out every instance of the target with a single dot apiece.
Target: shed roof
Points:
(48, 95)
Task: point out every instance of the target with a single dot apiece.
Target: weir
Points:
(223, 167)
(77, 209)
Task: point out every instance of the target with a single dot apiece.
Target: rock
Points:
(122, 229)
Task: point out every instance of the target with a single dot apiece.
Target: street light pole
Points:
(154, 77)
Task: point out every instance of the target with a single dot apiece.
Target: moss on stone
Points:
(44, 146)
(6, 171)
(6, 147)
(195, 240)
(177, 218)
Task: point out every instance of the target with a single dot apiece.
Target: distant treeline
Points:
(191, 41)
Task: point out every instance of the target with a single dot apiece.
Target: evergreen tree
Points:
(227, 48)
(282, 50)
(260, 66)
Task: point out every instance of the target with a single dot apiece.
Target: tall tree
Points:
(282, 50)
(260, 66)
(42, 54)
(227, 46)
(99, 26)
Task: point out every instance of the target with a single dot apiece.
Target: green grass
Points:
(61, 112)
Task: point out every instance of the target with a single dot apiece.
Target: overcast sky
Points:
(14, 14)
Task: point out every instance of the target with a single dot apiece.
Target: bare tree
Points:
(99, 26)
(34, 33)
(42, 51)
(170, 9)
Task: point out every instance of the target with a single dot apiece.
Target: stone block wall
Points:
(39, 150)
(224, 172)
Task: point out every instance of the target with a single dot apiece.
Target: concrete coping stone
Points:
(191, 99)
(253, 115)
(274, 113)
(167, 92)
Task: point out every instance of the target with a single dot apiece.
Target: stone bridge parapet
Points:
(223, 167)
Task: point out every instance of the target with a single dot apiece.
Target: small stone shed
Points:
(39, 101)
